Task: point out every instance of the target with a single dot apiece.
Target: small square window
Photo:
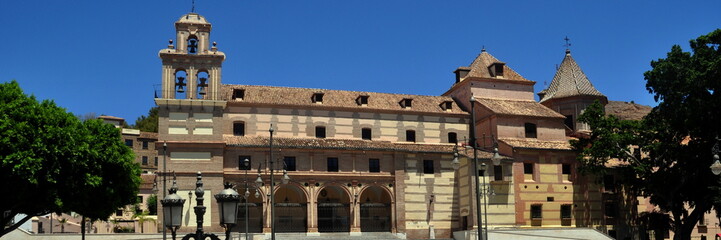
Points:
(239, 128)
(238, 94)
(410, 136)
(320, 132)
(566, 169)
(498, 173)
(447, 105)
(362, 100)
(289, 163)
(536, 211)
(428, 166)
(527, 168)
(317, 97)
(332, 164)
(241, 163)
(530, 130)
(145, 160)
(406, 103)
(366, 133)
(452, 137)
(129, 142)
(145, 144)
(374, 165)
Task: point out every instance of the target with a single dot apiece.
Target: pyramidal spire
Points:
(569, 81)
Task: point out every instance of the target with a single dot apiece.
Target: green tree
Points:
(153, 204)
(56, 163)
(677, 136)
(148, 123)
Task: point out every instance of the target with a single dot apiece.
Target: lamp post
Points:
(165, 148)
(246, 164)
(228, 201)
(172, 209)
(259, 183)
(716, 166)
(199, 212)
(475, 168)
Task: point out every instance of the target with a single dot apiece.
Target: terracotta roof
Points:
(536, 144)
(518, 107)
(111, 118)
(626, 110)
(479, 68)
(345, 144)
(570, 81)
(338, 98)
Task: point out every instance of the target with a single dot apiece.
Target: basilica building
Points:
(362, 162)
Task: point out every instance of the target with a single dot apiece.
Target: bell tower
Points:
(191, 68)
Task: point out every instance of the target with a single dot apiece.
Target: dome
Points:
(192, 18)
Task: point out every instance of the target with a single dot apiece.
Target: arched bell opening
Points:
(253, 205)
(375, 210)
(333, 208)
(180, 83)
(193, 44)
(203, 78)
(290, 209)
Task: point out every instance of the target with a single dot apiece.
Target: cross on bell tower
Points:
(191, 68)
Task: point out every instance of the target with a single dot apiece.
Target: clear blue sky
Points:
(102, 56)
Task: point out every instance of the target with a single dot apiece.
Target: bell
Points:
(202, 91)
(180, 84)
(180, 89)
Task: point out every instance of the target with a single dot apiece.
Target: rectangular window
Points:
(362, 100)
(410, 136)
(536, 211)
(119, 212)
(569, 121)
(320, 132)
(374, 165)
(241, 163)
(498, 173)
(145, 144)
(145, 160)
(527, 168)
(156, 161)
(428, 166)
(610, 209)
(129, 142)
(566, 211)
(366, 133)
(609, 183)
(332, 164)
(452, 137)
(566, 169)
(238, 94)
(239, 128)
(317, 97)
(289, 163)
(530, 130)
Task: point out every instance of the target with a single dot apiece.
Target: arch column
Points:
(355, 228)
(313, 212)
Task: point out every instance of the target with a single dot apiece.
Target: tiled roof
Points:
(479, 68)
(626, 110)
(536, 144)
(148, 135)
(111, 118)
(338, 98)
(345, 144)
(518, 107)
(146, 181)
(570, 81)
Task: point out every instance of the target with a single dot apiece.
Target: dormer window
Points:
(362, 100)
(317, 98)
(496, 69)
(406, 103)
(238, 94)
(447, 105)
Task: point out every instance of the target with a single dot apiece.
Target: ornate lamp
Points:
(716, 166)
(496, 159)
(228, 200)
(172, 208)
(455, 163)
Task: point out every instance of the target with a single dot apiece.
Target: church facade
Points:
(377, 162)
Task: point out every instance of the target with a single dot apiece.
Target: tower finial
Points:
(192, 8)
(483, 48)
(567, 45)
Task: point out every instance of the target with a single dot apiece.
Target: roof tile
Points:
(570, 81)
(518, 107)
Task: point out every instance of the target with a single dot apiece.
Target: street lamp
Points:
(172, 208)
(475, 167)
(259, 183)
(228, 201)
(246, 164)
(716, 166)
(455, 163)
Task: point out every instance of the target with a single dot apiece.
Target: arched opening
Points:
(180, 83)
(193, 44)
(375, 210)
(333, 210)
(290, 209)
(253, 206)
(203, 78)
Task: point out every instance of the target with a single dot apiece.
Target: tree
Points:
(56, 163)
(142, 218)
(153, 205)
(62, 222)
(149, 123)
(677, 136)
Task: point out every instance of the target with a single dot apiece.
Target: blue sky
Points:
(102, 56)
